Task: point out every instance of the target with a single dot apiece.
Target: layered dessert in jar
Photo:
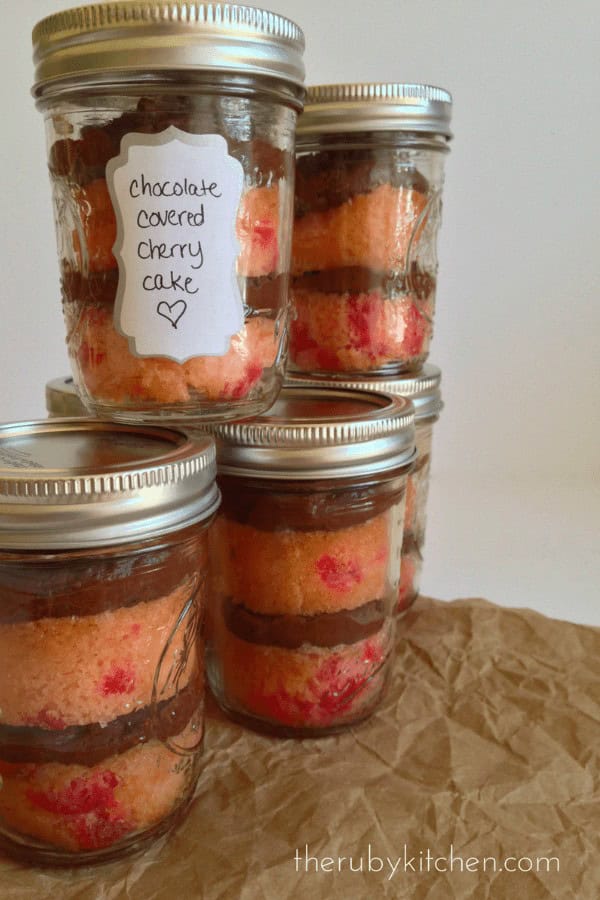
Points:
(306, 560)
(367, 213)
(423, 390)
(173, 202)
(102, 681)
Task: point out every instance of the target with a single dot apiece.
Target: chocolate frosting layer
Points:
(315, 507)
(329, 178)
(361, 280)
(267, 292)
(95, 288)
(87, 745)
(87, 586)
(84, 159)
(324, 630)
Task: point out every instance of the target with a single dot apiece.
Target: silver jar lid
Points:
(320, 433)
(333, 108)
(143, 40)
(62, 398)
(422, 387)
(77, 483)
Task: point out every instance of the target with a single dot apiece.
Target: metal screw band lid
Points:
(332, 108)
(422, 387)
(314, 432)
(62, 398)
(139, 39)
(77, 483)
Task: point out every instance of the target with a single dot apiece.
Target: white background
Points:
(513, 512)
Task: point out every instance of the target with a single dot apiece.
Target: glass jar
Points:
(103, 565)
(423, 389)
(62, 398)
(307, 559)
(369, 174)
(170, 131)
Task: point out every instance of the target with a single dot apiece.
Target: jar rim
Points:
(422, 387)
(62, 399)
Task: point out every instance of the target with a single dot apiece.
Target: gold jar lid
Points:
(133, 41)
(75, 483)
(315, 432)
(380, 106)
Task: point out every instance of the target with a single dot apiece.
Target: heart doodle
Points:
(167, 311)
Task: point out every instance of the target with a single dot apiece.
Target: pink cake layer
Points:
(75, 670)
(374, 230)
(80, 808)
(257, 230)
(302, 572)
(112, 374)
(358, 332)
(305, 688)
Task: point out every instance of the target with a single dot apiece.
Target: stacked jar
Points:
(307, 559)
(423, 389)
(103, 586)
(369, 176)
(170, 131)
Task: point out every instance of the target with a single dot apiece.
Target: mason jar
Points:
(423, 389)
(170, 131)
(62, 399)
(306, 559)
(369, 175)
(103, 580)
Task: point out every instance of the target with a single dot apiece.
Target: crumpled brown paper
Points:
(489, 742)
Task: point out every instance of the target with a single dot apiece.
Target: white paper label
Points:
(176, 198)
